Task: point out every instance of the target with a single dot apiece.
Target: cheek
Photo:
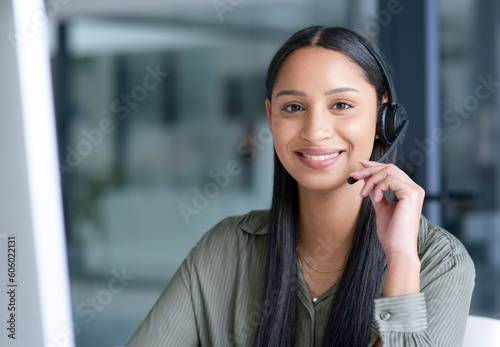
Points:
(361, 135)
(278, 125)
(283, 130)
(284, 134)
(280, 139)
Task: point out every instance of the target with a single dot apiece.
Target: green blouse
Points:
(214, 299)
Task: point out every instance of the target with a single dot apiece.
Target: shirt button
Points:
(385, 315)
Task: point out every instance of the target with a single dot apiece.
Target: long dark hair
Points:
(351, 314)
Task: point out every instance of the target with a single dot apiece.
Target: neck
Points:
(327, 223)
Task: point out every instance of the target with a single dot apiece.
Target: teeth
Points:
(321, 157)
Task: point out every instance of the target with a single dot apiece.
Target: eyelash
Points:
(343, 103)
(284, 108)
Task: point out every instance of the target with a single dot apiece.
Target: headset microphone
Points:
(392, 122)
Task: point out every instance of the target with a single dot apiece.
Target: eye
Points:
(341, 105)
(292, 108)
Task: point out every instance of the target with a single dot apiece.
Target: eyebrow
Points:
(291, 92)
(331, 91)
(341, 90)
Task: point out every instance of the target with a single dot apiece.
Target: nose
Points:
(317, 126)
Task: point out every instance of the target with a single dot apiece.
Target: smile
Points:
(321, 157)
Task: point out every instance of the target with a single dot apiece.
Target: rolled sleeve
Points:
(406, 313)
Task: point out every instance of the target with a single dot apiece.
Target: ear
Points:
(268, 110)
(385, 98)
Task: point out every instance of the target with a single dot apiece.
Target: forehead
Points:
(320, 67)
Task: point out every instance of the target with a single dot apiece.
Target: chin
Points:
(325, 185)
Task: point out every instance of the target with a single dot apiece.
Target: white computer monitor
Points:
(34, 285)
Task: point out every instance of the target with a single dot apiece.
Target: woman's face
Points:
(323, 116)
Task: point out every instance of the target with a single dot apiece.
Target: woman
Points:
(332, 263)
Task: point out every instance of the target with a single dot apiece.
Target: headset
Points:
(392, 123)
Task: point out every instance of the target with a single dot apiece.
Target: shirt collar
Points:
(256, 223)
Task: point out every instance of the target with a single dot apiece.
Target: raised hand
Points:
(397, 222)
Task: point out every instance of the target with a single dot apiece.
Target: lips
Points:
(318, 158)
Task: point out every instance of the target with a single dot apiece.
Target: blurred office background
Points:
(163, 132)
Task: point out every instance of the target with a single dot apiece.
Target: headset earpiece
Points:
(390, 123)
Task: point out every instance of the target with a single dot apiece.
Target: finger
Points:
(374, 167)
(402, 189)
(395, 170)
(378, 194)
(371, 181)
(388, 178)
(352, 177)
(370, 163)
(374, 175)
(366, 172)
(380, 188)
(378, 199)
